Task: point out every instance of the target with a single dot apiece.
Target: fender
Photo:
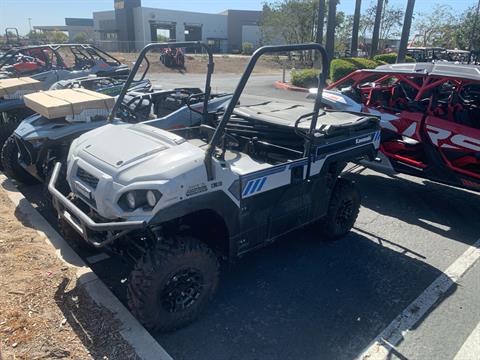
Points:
(216, 201)
(11, 104)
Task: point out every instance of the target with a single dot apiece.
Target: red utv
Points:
(172, 58)
(430, 117)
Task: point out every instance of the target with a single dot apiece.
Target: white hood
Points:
(137, 152)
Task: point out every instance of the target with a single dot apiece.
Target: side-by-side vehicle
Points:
(177, 201)
(430, 118)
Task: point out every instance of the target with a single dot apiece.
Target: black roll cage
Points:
(157, 46)
(13, 30)
(55, 47)
(220, 130)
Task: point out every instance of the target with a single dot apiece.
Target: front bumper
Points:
(82, 222)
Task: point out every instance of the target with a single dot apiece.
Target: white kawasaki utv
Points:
(178, 201)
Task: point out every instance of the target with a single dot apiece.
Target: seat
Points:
(283, 116)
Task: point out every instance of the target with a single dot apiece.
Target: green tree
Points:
(464, 30)
(162, 38)
(390, 23)
(58, 37)
(247, 48)
(291, 21)
(343, 32)
(436, 28)
(81, 38)
(37, 36)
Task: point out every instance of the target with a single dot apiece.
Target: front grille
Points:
(87, 178)
(91, 202)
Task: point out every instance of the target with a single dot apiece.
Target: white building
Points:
(129, 27)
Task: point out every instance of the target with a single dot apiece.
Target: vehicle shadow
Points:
(94, 325)
(301, 298)
(447, 211)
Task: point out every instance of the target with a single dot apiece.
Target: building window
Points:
(111, 36)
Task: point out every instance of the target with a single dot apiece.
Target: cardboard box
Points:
(8, 87)
(55, 104)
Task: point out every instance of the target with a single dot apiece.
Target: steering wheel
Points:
(189, 102)
(134, 115)
(297, 130)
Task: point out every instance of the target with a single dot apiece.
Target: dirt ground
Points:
(224, 64)
(44, 314)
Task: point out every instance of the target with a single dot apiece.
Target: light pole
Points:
(30, 23)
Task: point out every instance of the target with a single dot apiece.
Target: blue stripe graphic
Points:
(247, 188)
(261, 184)
(254, 186)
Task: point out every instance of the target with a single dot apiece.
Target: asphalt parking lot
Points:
(303, 298)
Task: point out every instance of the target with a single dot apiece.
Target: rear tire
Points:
(11, 166)
(171, 285)
(342, 211)
(6, 130)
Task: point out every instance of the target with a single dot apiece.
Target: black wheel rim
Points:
(344, 213)
(182, 290)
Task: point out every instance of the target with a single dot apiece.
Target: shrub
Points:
(340, 68)
(247, 48)
(81, 38)
(391, 58)
(305, 78)
(362, 63)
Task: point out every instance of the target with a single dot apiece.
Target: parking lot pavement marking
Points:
(470, 349)
(97, 258)
(384, 344)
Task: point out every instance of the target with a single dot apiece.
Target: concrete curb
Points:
(131, 330)
(285, 86)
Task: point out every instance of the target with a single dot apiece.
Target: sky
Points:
(15, 13)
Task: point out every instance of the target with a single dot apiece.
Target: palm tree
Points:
(407, 23)
(356, 23)
(320, 21)
(331, 22)
(376, 28)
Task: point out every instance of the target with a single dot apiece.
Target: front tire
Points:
(171, 285)
(11, 166)
(342, 211)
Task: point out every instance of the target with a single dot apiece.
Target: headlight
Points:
(151, 198)
(131, 201)
(146, 199)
